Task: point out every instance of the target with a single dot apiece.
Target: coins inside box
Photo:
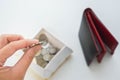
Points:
(47, 52)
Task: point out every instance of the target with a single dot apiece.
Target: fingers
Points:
(26, 60)
(12, 47)
(6, 38)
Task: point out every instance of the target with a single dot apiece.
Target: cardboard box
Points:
(62, 54)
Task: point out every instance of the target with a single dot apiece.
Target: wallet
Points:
(95, 38)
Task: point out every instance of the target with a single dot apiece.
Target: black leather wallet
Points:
(95, 38)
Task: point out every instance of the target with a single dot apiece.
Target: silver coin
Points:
(47, 57)
(44, 43)
(46, 46)
(52, 50)
(44, 52)
(43, 37)
(40, 61)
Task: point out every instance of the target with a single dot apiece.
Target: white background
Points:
(62, 18)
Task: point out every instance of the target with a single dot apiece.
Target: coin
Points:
(44, 43)
(43, 37)
(52, 50)
(40, 61)
(47, 57)
(44, 52)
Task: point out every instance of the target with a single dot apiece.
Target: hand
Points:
(9, 44)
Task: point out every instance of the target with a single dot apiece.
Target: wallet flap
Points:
(88, 43)
(99, 41)
(106, 36)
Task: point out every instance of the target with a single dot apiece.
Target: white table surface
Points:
(62, 18)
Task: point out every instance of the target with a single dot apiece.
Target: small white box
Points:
(56, 61)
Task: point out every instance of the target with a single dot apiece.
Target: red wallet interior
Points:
(102, 35)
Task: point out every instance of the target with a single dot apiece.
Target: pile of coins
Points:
(47, 52)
